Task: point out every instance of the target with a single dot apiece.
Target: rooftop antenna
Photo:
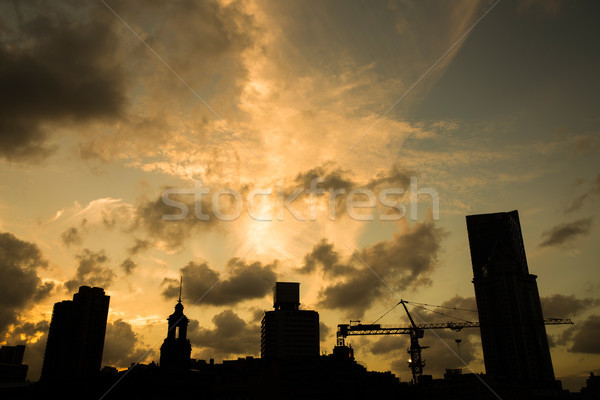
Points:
(180, 284)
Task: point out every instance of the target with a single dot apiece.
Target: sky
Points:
(339, 144)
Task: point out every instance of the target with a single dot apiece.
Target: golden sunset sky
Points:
(105, 105)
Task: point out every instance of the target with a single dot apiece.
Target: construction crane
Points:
(416, 332)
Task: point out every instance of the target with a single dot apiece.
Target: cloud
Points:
(565, 234)
(388, 345)
(324, 257)
(74, 65)
(204, 44)
(257, 314)
(242, 282)
(173, 233)
(540, 7)
(586, 339)
(333, 177)
(330, 178)
(177, 214)
(71, 237)
(139, 246)
(121, 345)
(57, 67)
(128, 266)
(403, 262)
(589, 194)
(584, 144)
(396, 177)
(561, 306)
(20, 285)
(91, 270)
(324, 331)
(230, 336)
(466, 309)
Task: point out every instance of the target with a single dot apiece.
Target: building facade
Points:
(76, 335)
(288, 332)
(513, 335)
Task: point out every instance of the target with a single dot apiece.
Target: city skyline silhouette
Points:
(340, 144)
(515, 346)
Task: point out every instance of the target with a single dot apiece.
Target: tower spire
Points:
(180, 284)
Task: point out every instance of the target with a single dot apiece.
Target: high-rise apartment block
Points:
(513, 336)
(76, 335)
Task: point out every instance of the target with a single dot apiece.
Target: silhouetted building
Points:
(76, 335)
(513, 335)
(176, 349)
(12, 368)
(288, 332)
(591, 390)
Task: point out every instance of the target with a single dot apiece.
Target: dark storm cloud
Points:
(586, 339)
(405, 261)
(564, 234)
(561, 306)
(55, 66)
(589, 194)
(333, 177)
(91, 270)
(325, 258)
(121, 345)
(230, 336)
(128, 265)
(203, 42)
(71, 237)
(20, 284)
(242, 282)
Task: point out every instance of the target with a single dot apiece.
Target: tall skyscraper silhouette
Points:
(513, 335)
(76, 335)
(288, 332)
(176, 349)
